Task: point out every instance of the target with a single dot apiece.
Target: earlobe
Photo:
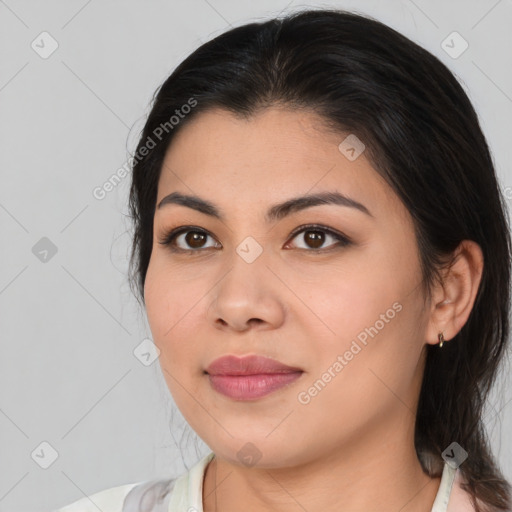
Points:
(453, 299)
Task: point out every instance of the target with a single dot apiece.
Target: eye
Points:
(194, 239)
(315, 236)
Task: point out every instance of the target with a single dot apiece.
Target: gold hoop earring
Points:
(440, 337)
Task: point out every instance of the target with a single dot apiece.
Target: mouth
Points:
(250, 377)
(251, 387)
(248, 365)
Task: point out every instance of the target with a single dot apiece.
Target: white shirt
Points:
(185, 494)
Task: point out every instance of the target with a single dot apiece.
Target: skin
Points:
(351, 447)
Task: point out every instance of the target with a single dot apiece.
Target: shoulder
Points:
(108, 500)
(156, 495)
(149, 496)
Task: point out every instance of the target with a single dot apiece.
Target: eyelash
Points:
(169, 238)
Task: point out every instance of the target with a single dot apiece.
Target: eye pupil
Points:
(316, 238)
(194, 236)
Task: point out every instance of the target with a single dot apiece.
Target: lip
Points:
(248, 365)
(250, 377)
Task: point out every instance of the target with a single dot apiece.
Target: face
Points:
(340, 300)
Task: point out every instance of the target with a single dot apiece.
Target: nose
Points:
(247, 296)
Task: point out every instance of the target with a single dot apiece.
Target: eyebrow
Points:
(275, 213)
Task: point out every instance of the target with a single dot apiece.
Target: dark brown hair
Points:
(421, 134)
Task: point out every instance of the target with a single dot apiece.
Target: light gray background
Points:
(69, 326)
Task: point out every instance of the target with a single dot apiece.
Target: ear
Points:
(453, 299)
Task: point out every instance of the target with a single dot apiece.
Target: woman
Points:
(322, 250)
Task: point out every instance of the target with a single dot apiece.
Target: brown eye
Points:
(187, 240)
(315, 237)
(195, 239)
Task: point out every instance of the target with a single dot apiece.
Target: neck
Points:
(362, 476)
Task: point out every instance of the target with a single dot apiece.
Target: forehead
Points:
(275, 154)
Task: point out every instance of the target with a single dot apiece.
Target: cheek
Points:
(363, 316)
(168, 309)
(371, 306)
(170, 300)
(351, 295)
(173, 302)
(373, 358)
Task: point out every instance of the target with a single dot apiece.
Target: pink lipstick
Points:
(250, 377)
